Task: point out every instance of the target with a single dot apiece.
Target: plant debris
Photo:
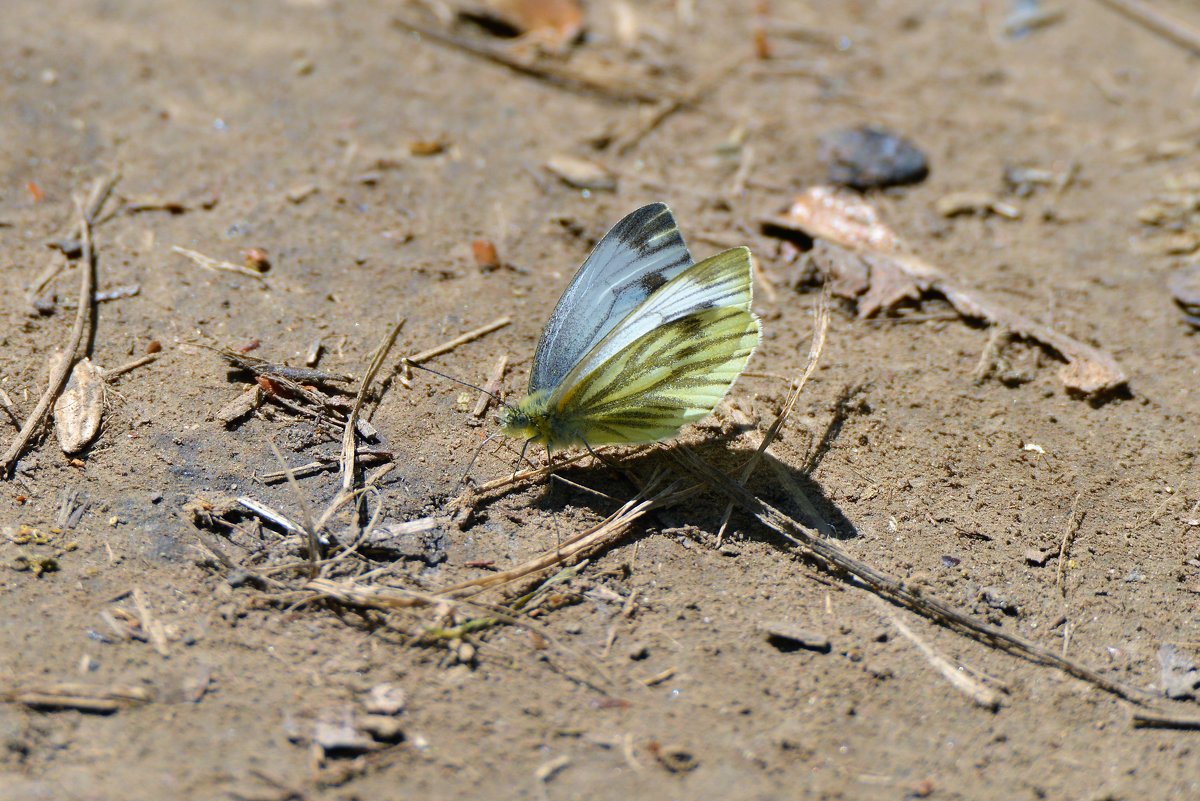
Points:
(957, 204)
(1184, 286)
(582, 174)
(866, 262)
(78, 410)
(1179, 677)
(553, 25)
(789, 637)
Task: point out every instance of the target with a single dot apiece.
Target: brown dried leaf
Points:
(865, 262)
(78, 410)
(823, 212)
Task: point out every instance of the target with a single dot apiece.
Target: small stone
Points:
(385, 699)
(871, 157)
(338, 736)
(639, 651)
(788, 637)
(298, 194)
(1184, 286)
(1039, 558)
(1179, 677)
(382, 728)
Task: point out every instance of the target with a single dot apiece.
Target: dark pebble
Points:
(868, 157)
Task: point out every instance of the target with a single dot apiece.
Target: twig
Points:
(1144, 719)
(532, 474)
(62, 369)
(977, 692)
(349, 447)
(554, 76)
(835, 560)
(580, 546)
(1156, 21)
(217, 265)
(309, 530)
(101, 191)
(391, 598)
(668, 108)
(462, 339)
(326, 463)
(129, 367)
(83, 697)
(491, 387)
(820, 329)
(154, 630)
(10, 409)
(1074, 521)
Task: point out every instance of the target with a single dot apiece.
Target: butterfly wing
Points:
(719, 281)
(641, 253)
(670, 376)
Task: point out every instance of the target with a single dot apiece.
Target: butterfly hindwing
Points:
(641, 253)
(670, 376)
(721, 281)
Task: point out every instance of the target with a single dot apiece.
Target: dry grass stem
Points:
(113, 374)
(835, 560)
(1156, 21)
(550, 74)
(72, 695)
(348, 444)
(217, 265)
(1074, 521)
(820, 329)
(458, 341)
(492, 387)
(62, 369)
(976, 691)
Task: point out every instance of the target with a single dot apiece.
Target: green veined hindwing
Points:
(642, 342)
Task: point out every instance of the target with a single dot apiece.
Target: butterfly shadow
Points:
(788, 488)
(603, 487)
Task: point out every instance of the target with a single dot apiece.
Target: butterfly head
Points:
(528, 419)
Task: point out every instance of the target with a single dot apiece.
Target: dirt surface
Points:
(290, 126)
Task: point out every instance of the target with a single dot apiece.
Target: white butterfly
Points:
(643, 341)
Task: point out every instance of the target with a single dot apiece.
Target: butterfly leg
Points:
(553, 517)
(521, 458)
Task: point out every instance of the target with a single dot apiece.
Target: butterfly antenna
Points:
(467, 384)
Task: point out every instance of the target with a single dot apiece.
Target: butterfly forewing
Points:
(640, 254)
(670, 376)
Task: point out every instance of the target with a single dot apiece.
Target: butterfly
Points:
(642, 342)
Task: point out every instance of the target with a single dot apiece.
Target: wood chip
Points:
(956, 204)
(790, 637)
(240, 406)
(582, 174)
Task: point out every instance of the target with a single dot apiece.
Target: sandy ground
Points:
(232, 112)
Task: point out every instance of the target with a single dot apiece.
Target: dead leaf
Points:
(866, 262)
(823, 212)
(78, 410)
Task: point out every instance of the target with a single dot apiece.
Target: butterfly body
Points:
(643, 341)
